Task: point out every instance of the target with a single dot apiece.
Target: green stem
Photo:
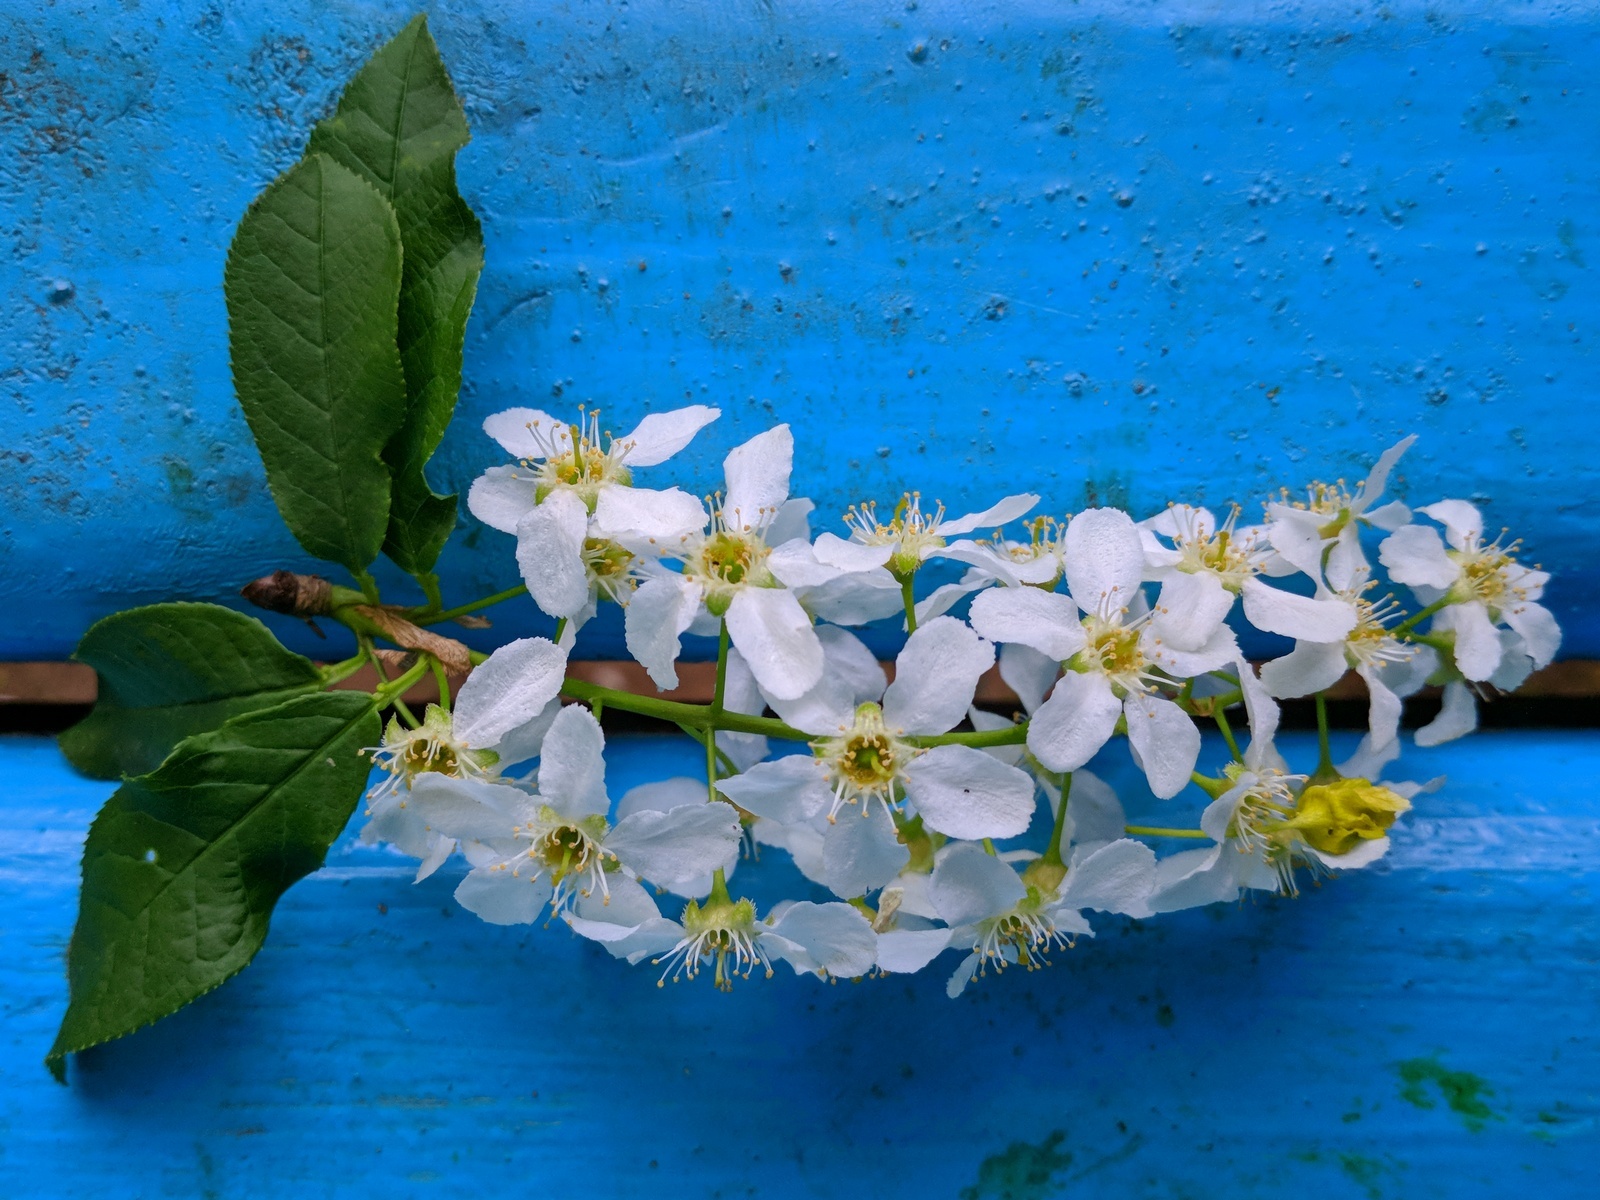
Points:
(1227, 734)
(425, 617)
(722, 671)
(1325, 769)
(391, 692)
(988, 847)
(719, 890)
(1411, 622)
(710, 738)
(1014, 735)
(1052, 852)
(443, 681)
(561, 628)
(429, 583)
(1159, 831)
(338, 672)
(368, 585)
(908, 597)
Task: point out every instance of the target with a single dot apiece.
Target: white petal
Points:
(850, 556)
(649, 513)
(501, 898)
(964, 793)
(661, 795)
(1462, 521)
(993, 517)
(501, 497)
(1094, 810)
(677, 846)
(468, 808)
(851, 675)
(1071, 726)
(861, 852)
(1388, 517)
(1275, 611)
(1191, 878)
(793, 521)
(1515, 665)
(947, 595)
(962, 975)
(1378, 478)
(802, 842)
(1362, 854)
(528, 432)
(1104, 560)
(525, 741)
(1538, 630)
(661, 435)
(907, 951)
(796, 565)
(1166, 742)
(1190, 608)
(758, 478)
(775, 636)
(624, 905)
(1027, 673)
(550, 553)
(792, 788)
(1383, 710)
(508, 690)
(1044, 621)
(856, 599)
(1370, 759)
(1457, 718)
(1261, 710)
(1309, 667)
(1414, 555)
(572, 765)
(1117, 878)
(970, 885)
(1220, 649)
(1477, 649)
(836, 937)
(1295, 535)
(936, 676)
(1347, 567)
(654, 622)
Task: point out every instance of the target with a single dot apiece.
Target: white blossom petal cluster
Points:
(934, 824)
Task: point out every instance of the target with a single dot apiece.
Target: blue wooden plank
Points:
(1111, 250)
(1424, 1030)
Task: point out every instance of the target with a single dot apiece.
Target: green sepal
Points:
(399, 126)
(169, 671)
(313, 285)
(183, 866)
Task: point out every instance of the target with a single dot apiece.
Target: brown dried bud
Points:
(401, 632)
(286, 592)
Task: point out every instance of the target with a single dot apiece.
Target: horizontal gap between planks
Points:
(34, 683)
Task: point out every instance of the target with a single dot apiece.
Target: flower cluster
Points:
(1106, 627)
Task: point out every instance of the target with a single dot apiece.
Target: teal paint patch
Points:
(1022, 1171)
(1462, 1090)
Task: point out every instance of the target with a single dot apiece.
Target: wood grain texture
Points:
(1424, 1030)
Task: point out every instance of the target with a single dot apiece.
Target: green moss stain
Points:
(1463, 1091)
(1021, 1171)
(1363, 1171)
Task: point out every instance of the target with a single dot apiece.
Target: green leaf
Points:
(313, 285)
(171, 670)
(183, 866)
(399, 126)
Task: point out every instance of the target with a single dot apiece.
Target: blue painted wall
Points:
(1417, 1032)
(1114, 251)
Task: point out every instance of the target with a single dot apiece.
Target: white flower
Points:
(556, 845)
(1483, 583)
(557, 456)
(999, 560)
(1383, 662)
(910, 537)
(1328, 521)
(1004, 919)
(500, 718)
(1111, 656)
(733, 572)
(861, 757)
(821, 939)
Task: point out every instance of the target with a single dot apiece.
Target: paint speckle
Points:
(1462, 1090)
(1022, 1171)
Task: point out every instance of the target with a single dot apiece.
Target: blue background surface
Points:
(385, 1043)
(1118, 252)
